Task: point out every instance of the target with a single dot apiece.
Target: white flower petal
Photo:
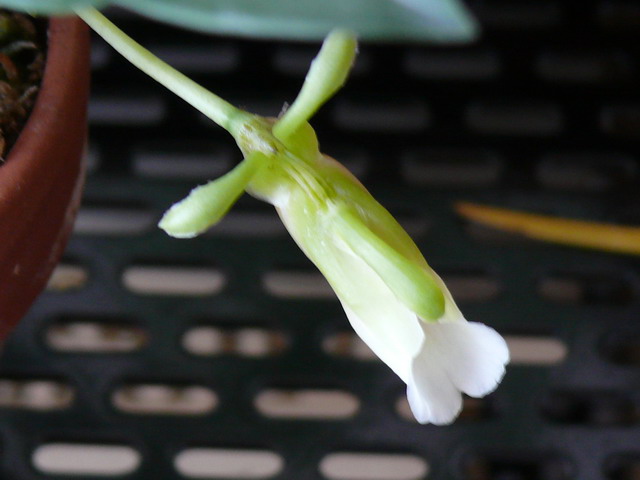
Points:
(456, 357)
(389, 337)
(388, 327)
(419, 407)
(432, 395)
(479, 362)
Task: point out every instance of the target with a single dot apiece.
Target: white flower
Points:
(393, 299)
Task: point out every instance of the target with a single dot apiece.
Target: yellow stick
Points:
(577, 233)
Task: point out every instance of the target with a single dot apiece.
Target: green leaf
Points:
(450, 19)
(395, 20)
(436, 20)
(50, 7)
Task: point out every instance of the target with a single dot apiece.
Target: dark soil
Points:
(22, 58)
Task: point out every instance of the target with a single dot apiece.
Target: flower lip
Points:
(455, 358)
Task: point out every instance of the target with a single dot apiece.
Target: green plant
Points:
(393, 299)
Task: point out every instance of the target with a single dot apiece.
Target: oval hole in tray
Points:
(536, 350)
(173, 280)
(68, 276)
(113, 220)
(373, 466)
(76, 459)
(161, 399)
(587, 172)
(376, 116)
(472, 285)
(586, 288)
(297, 284)
(307, 404)
(452, 168)
(131, 109)
(168, 162)
(94, 336)
(35, 394)
(347, 345)
(246, 341)
(224, 463)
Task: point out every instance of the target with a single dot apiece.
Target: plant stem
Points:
(220, 111)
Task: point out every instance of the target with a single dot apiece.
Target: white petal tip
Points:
(456, 358)
(436, 413)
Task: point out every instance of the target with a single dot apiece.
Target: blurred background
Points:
(228, 357)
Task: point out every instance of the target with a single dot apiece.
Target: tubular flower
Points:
(395, 302)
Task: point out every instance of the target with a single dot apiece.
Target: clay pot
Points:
(41, 181)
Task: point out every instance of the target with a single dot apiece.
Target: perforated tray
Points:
(227, 356)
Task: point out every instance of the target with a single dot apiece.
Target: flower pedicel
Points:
(394, 301)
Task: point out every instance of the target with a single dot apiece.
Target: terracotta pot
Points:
(41, 182)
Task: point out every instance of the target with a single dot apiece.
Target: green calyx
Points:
(414, 285)
(206, 205)
(327, 74)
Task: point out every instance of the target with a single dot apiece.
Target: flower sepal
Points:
(411, 283)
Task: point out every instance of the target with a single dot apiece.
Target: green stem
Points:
(220, 111)
(327, 74)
